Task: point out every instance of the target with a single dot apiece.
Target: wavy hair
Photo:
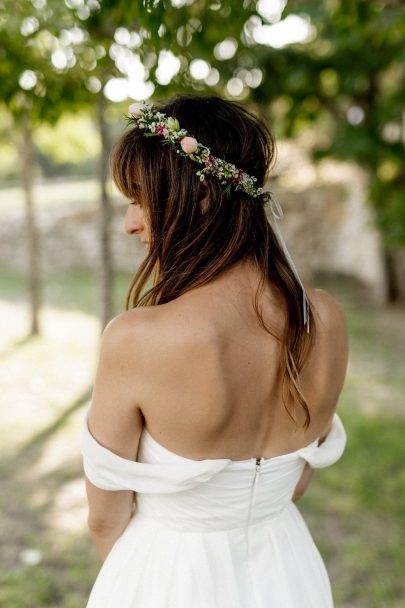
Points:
(191, 246)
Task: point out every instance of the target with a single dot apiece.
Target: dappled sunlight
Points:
(43, 375)
(59, 450)
(12, 332)
(69, 510)
(71, 328)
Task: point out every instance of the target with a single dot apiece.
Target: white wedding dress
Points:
(216, 533)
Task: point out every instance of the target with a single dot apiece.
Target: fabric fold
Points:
(330, 450)
(108, 471)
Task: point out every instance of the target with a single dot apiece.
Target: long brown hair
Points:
(189, 246)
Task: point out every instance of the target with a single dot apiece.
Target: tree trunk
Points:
(32, 231)
(105, 270)
(393, 291)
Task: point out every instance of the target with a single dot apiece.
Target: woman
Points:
(216, 391)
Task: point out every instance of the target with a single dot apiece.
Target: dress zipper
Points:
(258, 464)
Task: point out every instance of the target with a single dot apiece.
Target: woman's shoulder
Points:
(130, 323)
(129, 336)
(329, 311)
(150, 330)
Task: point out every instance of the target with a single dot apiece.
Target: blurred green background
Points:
(328, 76)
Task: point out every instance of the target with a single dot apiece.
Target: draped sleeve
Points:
(330, 450)
(108, 471)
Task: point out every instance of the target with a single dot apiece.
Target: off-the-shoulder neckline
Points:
(304, 451)
(146, 435)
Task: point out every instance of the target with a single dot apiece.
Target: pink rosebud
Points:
(135, 109)
(189, 144)
(160, 130)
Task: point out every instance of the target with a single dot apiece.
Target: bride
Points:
(216, 390)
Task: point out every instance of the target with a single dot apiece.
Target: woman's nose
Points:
(133, 223)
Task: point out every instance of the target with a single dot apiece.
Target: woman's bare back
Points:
(208, 381)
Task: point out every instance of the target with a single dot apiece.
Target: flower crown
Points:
(156, 124)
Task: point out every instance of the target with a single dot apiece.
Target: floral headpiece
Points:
(155, 123)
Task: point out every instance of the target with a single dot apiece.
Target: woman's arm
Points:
(109, 515)
(115, 421)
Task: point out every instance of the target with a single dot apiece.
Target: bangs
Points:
(122, 165)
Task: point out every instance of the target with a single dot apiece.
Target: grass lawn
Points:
(355, 509)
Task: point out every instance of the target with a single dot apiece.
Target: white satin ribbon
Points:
(277, 214)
